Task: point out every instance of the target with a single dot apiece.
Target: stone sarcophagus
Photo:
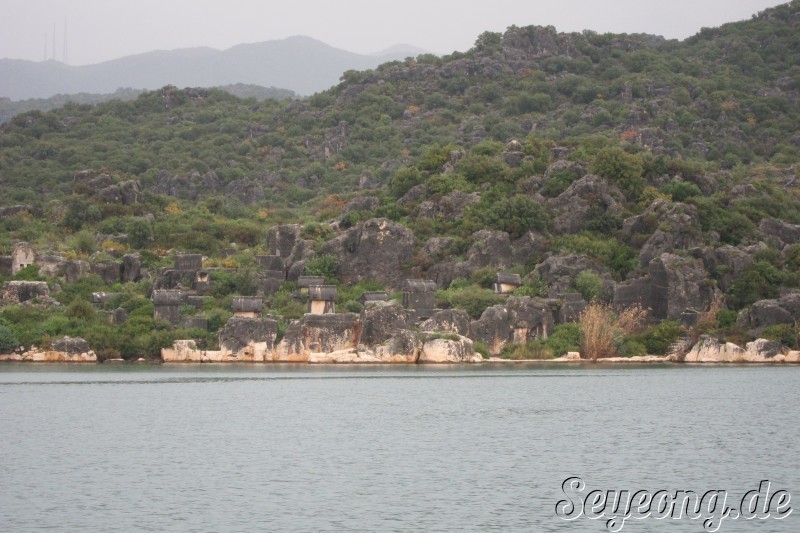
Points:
(322, 299)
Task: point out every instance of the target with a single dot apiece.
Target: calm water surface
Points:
(442, 448)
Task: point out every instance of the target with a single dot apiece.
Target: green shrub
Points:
(484, 277)
(565, 338)
(8, 340)
(534, 349)
(589, 284)
(726, 318)
(785, 333)
(631, 348)
(473, 300)
(80, 309)
(658, 340)
(620, 167)
(481, 348)
(323, 265)
(29, 273)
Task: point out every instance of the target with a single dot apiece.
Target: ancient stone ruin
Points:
(322, 299)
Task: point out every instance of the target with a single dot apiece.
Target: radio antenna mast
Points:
(64, 54)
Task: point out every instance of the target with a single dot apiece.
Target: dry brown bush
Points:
(602, 328)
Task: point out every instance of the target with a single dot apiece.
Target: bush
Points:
(625, 169)
(323, 265)
(588, 284)
(535, 349)
(565, 338)
(80, 309)
(8, 341)
(785, 333)
(661, 337)
(471, 299)
(29, 273)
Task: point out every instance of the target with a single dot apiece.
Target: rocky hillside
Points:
(618, 168)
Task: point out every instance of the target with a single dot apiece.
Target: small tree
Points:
(625, 169)
(588, 284)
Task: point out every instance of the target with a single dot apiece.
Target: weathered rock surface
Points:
(448, 321)
(109, 271)
(438, 350)
(489, 249)
(726, 264)
(571, 208)
(779, 233)
(377, 249)
(676, 284)
(764, 313)
(519, 320)
(71, 345)
(131, 267)
(317, 334)
(666, 226)
(450, 207)
(380, 321)
(256, 334)
(76, 269)
(558, 272)
(710, 350)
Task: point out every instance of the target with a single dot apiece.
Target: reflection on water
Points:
(331, 448)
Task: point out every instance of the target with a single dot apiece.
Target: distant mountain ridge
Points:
(300, 64)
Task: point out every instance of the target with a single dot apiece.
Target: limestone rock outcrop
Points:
(571, 208)
(377, 249)
(317, 334)
(519, 320)
(446, 350)
(709, 350)
(764, 313)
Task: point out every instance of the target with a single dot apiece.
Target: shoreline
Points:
(611, 361)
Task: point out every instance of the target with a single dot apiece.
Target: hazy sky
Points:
(99, 30)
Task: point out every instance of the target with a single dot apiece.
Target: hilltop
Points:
(299, 64)
(627, 168)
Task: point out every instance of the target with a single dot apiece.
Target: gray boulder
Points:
(676, 284)
(764, 313)
(448, 321)
(571, 208)
(779, 233)
(381, 321)
(377, 249)
(239, 332)
(132, 267)
(71, 345)
(76, 269)
(519, 320)
(489, 249)
(109, 271)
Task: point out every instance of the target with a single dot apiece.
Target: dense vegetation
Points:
(708, 125)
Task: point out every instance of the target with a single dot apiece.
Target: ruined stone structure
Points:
(373, 296)
(304, 282)
(22, 255)
(17, 292)
(167, 305)
(322, 299)
(420, 295)
(247, 306)
(519, 320)
(506, 283)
